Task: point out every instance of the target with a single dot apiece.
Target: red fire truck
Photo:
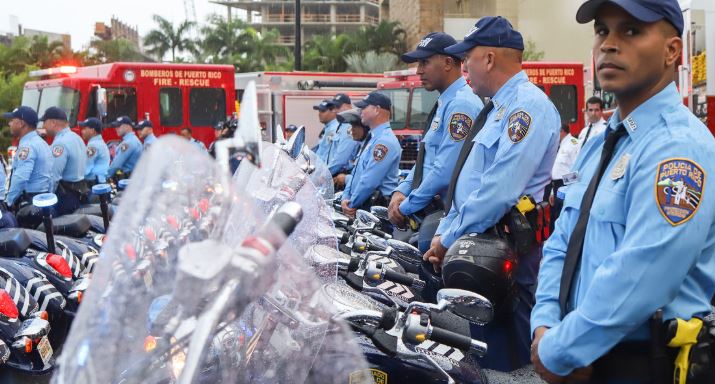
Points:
(172, 96)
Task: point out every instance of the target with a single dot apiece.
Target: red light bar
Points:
(63, 70)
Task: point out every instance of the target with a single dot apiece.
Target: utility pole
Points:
(297, 52)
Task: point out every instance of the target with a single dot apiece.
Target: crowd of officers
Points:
(72, 164)
(628, 273)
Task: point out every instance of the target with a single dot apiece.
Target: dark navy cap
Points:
(375, 98)
(144, 124)
(122, 120)
(26, 114)
(291, 128)
(341, 99)
(351, 116)
(54, 113)
(324, 105)
(93, 123)
(647, 11)
(490, 31)
(434, 43)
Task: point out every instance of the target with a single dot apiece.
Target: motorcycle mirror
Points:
(379, 212)
(366, 217)
(280, 136)
(468, 305)
(296, 142)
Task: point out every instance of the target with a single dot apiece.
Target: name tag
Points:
(571, 177)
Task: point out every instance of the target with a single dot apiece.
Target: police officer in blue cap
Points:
(97, 151)
(447, 126)
(633, 247)
(290, 130)
(129, 150)
(145, 131)
(509, 153)
(70, 161)
(32, 164)
(326, 115)
(376, 172)
(343, 149)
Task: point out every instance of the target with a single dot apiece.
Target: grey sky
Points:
(77, 17)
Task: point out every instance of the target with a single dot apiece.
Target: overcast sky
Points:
(77, 17)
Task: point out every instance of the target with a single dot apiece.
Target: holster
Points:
(78, 188)
(526, 230)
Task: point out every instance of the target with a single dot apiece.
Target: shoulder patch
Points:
(518, 128)
(679, 185)
(379, 152)
(574, 141)
(23, 152)
(123, 147)
(91, 151)
(459, 126)
(57, 150)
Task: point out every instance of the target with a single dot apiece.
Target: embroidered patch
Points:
(518, 128)
(23, 152)
(379, 152)
(91, 151)
(574, 141)
(459, 126)
(57, 150)
(679, 186)
(123, 147)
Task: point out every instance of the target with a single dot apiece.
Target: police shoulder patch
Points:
(91, 151)
(23, 152)
(679, 185)
(123, 147)
(57, 150)
(518, 126)
(459, 126)
(379, 152)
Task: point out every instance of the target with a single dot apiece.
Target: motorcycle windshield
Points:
(320, 176)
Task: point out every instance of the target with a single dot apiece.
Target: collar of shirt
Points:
(451, 91)
(128, 136)
(29, 136)
(647, 114)
(96, 138)
(333, 124)
(377, 131)
(505, 94)
(62, 132)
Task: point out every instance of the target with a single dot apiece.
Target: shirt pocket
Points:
(485, 144)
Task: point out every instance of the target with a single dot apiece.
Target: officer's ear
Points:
(673, 50)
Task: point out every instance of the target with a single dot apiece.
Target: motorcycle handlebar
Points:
(455, 340)
(344, 249)
(402, 278)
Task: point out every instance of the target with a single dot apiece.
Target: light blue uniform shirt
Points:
(377, 167)
(3, 180)
(198, 143)
(457, 107)
(97, 160)
(650, 239)
(343, 149)
(70, 158)
(31, 167)
(512, 155)
(323, 150)
(149, 140)
(127, 156)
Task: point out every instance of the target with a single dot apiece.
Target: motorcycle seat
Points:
(14, 242)
(72, 225)
(94, 210)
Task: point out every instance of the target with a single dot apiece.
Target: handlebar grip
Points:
(287, 217)
(381, 233)
(399, 278)
(338, 207)
(345, 249)
(344, 238)
(450, 338)
(354, 264)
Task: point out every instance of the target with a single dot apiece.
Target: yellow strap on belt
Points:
(685, 337)
(526, 204)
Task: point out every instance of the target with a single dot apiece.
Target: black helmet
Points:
(481, 263)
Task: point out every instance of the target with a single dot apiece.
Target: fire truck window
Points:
(422, 103)
(31, 98)
(65, 98)
(120, 102)
(207, 106)
(399, 98)
(565, 99)
(171, 110)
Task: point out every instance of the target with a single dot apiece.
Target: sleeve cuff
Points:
(405, 208)
(540, 319)
(552, 355)
(447, 239)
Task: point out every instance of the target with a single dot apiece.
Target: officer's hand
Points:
(349, 212)
(545, 374)
(393, 211)
(436, 253)
(339, 180)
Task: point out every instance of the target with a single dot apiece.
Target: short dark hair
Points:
(186, 129)
(595, 100)
(565, 128)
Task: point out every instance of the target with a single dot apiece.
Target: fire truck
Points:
(172, 96)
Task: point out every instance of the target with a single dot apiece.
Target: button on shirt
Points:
(149, 140)
(513, 155)
(70, 157)
(457, 108)
(97, 160)
(377, 167)
(565, 158)
(31, 167)
(343, 149)
(323, 150)
(649, 242)
(128, 153)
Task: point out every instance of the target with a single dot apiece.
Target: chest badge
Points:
(679, 187)
(500, 114)
(435, 124)
(620, 168)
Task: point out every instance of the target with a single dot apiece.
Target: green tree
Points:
(531, 52)
(326, 53)
(223, 39)
(43, 53)
(372, 62)
(10, 97)
(386, 37)
(165, 38)
(109, 51)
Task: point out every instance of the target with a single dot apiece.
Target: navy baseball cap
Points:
(351, 116)
(434, 43)
(93, 123)
(490, 31)
(291, 128)
(144, 124)
(324, 105)
(54, 113)
(647, 11)
(26, 114)
(375, 98)
(341, 99)
(121, 120)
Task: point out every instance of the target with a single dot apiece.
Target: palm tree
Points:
(326, 53)
(43, 53)
(372, 62)
(387, 36)
(167, 39)
(107, 51)
(223, 39)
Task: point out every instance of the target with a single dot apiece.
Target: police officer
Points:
(426, 185)
(637, 230)
(188, 135)
(358, 131)
(326, 115)
(290, 130)
(594, 119)
(343, 149)
(97, 151)
(145, 131)
(510, 156)
(129, 150)
(376, 172)
(70, 161)
(566, 156)
(32, 164)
